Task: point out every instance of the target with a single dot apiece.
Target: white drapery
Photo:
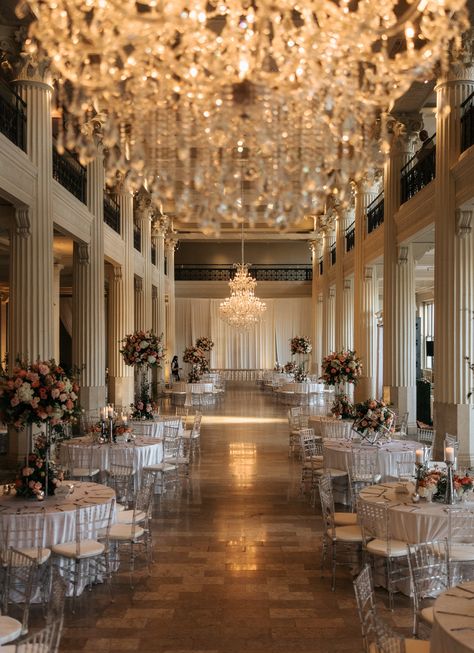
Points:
(258, 348)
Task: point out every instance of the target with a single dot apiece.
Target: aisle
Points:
(236, 562)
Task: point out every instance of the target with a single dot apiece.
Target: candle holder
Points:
(111, 429)
(419, 476)
(449, 494)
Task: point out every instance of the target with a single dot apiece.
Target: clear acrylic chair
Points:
(87, 556)
(192, 437)
(311, 456)
(80, 463)
(460, 544)
(335, 429)
(20, 571)
(406, 470)
(121, 478)
(45, 640)
(428, 564)
(362, 471)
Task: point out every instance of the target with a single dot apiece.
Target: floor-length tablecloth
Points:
(454, 632)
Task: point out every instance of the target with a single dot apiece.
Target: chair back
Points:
(373, 518)
(363, 466)
(365, 599)
(460, 543)
(147, 428)
(425, 435)
(93, 523)
(19, 575)
(428, 563)
(197, 424)
(29, 532)
(327, 503)
(310, 444)
(406, 469)
(337, 429)
(45, 640)
(121, 478)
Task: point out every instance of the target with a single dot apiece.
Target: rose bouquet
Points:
(432, 484)
(143, 407)
(374, 420)
(342, 407)
(38, 475)
(198, 361)
(38, 393)
(300, 345)
(341, 367)
(300, 375)
(143, 349)
(205, 344)
(289, 367)
(195, 374)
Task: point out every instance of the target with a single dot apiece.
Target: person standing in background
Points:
(175, 368)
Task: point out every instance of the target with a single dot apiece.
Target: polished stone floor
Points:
(236, 557)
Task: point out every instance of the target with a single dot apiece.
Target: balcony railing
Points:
(137, 237)
(467, 123)
(321, 265)
(111, 213)
(153, 254)
(350, 237)
(419, 171)
(71, 174)
(258, 272)
(332, 254)
(374, 213)
(12, 116)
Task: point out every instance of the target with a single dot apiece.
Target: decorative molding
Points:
(22, 221)
(463, 222)
(154, 293)
(347, 284)
(332, 292)
(143, 204)
(117, 274)
(29, 70)
(403, 254)
(82, 252)
(138, 284)
(369, 274)
(320, 298)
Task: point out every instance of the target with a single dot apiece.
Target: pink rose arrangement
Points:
(196, 357)
(37, 475)
(204, 343)
(300, 345)
(432, 484)
(373, 418)
(143, 406)
(38, 393)
(143, 349)
(341, 367)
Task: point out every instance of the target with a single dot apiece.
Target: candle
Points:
(110, 411)
(103, 413)
(449, 454)
(419, 457)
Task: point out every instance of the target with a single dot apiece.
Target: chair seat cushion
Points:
(427, 614)
(84, 471)
(126, 532)
(10, 629)
(41, 555)
(461, 551)
(417, 646)
(87, 549)
(348, 533)
(379, 547)
(345, 518)
(160, 467)
(366, 478)
(333, 472)
(126, 517)
(119, 507)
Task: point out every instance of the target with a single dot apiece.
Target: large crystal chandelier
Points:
(190, 96)
(242, 309)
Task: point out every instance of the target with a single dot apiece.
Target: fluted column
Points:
(399, 306)
(158, 237)
(347, 338)
(171, 316)
(316, 313)
(88, 307)
(120, 313)
(331, 320)
(326, 320)
(454, 272)
(366, 388)
(364, 195)
(339, 298)
(31, 241)
(139, 304)
(56, 309)
(3, 325)
(143, 214)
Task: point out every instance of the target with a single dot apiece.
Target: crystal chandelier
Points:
(242, 309)
(191, 96)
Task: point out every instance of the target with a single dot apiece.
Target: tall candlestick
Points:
(449, 454)
(419, 456)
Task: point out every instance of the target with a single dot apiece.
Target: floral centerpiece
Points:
(143, 349)
(342, 407)
(300, 375)
(341, 367)
(38, 393)
(143, 407)
(432, 484)
(204, 343)
(198, 361)
(38, 475)
(374, 420)
(289, 367)
(300, 345)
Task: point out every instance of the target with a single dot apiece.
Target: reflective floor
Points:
(236, 557)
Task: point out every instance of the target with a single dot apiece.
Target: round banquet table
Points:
(337, 454)
(409, 522)
(454, 633)
(143, 451)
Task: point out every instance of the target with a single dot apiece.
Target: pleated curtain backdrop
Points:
(258, 348)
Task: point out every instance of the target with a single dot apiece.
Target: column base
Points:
(403, 400)
(365, 389)
(121, 391)
(458, 420)
(92, 397)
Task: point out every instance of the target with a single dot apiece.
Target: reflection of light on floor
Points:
(243, 463)
(233, 419)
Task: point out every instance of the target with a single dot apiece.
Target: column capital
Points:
(82, 250)
(320, 298)
(143, 205)
(332, 292)
(368, 273)
(22, 221)
(463, 222)
(347, 284)
(403, 128)
(171, 243)
(117, 274)
(138, 284)
(160, 225)
(402, 258)
(30, 70)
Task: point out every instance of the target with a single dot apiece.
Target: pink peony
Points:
(55, 393)
(69, 404)
(63, 397)
(43, 369)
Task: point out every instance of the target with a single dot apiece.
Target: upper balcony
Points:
(12, 116)
(419, 171)
(70, 173)
(375, 213)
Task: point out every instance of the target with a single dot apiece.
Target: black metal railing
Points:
(258, 272)
(321, 265)
(12, 116)
(137, 237)
(332, 254)
(350, 237)
(374, 213)
(419, 171)
(153, 254)
(111, 212)
(467, 123)
(71, 174)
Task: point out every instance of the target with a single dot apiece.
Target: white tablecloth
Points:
(337, 454)
(144, 451)
(453, 633)
(409, 522)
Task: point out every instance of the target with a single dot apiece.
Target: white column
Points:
(366, 388)
(171, 317)
(121, 301)
(31, 242)
(347, 338)
(399, 304)
(316, 312)
(56, 309)
(3, 325)
(158, 236)
(88, 302)
(143, 214)
(339, 288)
(331, 320)
(139, 304)
(454, 273)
